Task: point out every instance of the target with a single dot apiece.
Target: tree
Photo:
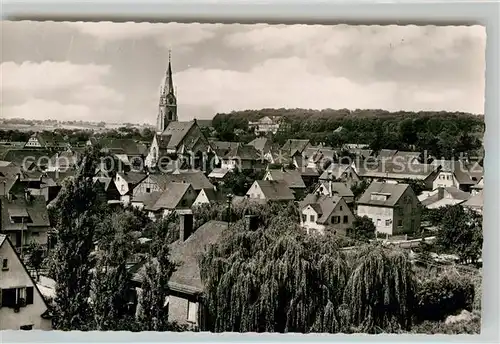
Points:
(363, 228)
(79, 209)
(381, 291)
(111, 288)
(418, 186)
(359, 188)
(36, 257)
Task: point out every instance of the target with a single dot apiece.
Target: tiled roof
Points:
(337, 188)
(476, 201)
(336, 170)
(293, 146)
(170, 197)
(18, 156)
(243, 152)
(291, 177)
(451, 193)
(458, 168)
(221, 148)
(124, 146)
(35, 208)
(393, 191)
(174, 134)
(261, 144)
(275, 190)
(322, 204)
(186, 254)
(196, 178)
(388, 169)
(133, 178)
(213, 195)
(218, 173)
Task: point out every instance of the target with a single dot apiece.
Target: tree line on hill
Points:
(442, 134)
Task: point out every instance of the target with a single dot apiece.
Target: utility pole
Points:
(229, 200)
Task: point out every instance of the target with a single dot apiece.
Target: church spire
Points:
(169, 81)
(167, 111)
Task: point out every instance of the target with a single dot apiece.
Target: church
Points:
(176, 144)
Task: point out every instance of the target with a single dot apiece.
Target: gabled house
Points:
(293, 147)
(22, 306)
(267, 125)
(396, 172)
(28, 159)
(343, 172)
(45, 140)
(185, 302)
(178, 139)
(243, 157)
(175, 197)
(262, 144)
(443, 197)
(393, 208)
(63, 161)
(475, 203)
(291, 177)
(270, 191)
(208, 196)
(126, 182)
(24, 218)
(478, 187)
(112, 194)
(159, 182)
(452, 173)
(319, 212)
(329, 188)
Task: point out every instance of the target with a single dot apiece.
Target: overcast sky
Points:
(112, 71)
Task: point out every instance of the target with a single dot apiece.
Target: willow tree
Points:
(273, 279)
(78, 210)
(381, 291)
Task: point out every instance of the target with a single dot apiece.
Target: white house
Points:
(22, 306)
(319, 212)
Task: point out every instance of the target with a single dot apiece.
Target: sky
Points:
(112, 72)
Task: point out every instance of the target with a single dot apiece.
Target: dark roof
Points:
(35, 209)
(448, 192)
(293, 146)
(336, 171)
(458, 168)
(196, 178)
(214, 195)
(244, 152)
(291, 177)
(124, 146)
(392, 190)
(18, 156)
(275, 190)
(186, 254)
(389, 169)
(262, 144)
(322, 204)
(133, 178)
(170, 197)
(174, 134)
(221, 148)
(338, 188)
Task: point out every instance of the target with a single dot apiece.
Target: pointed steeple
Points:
(169, 81)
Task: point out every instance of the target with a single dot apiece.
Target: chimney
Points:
(186, 225)
(440, 192)
(251, 222)
(27, 195)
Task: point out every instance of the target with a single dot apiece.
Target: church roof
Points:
(174, 134)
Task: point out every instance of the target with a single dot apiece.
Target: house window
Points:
(400, 223)
(148, 190)
(379, 222)
(387, 223)
(191, 312)
(340, 208)
(304, 217)
(448, 177)
(346, 218)
(311, 218)
(5, 264)
(122, 187)
(26, 327)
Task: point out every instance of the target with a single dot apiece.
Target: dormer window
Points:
(379, 196)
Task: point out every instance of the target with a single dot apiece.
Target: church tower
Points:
(167, 108)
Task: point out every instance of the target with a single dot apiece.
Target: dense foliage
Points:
(441, 134)
(277, 279)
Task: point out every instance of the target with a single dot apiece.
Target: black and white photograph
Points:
(241, 177)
